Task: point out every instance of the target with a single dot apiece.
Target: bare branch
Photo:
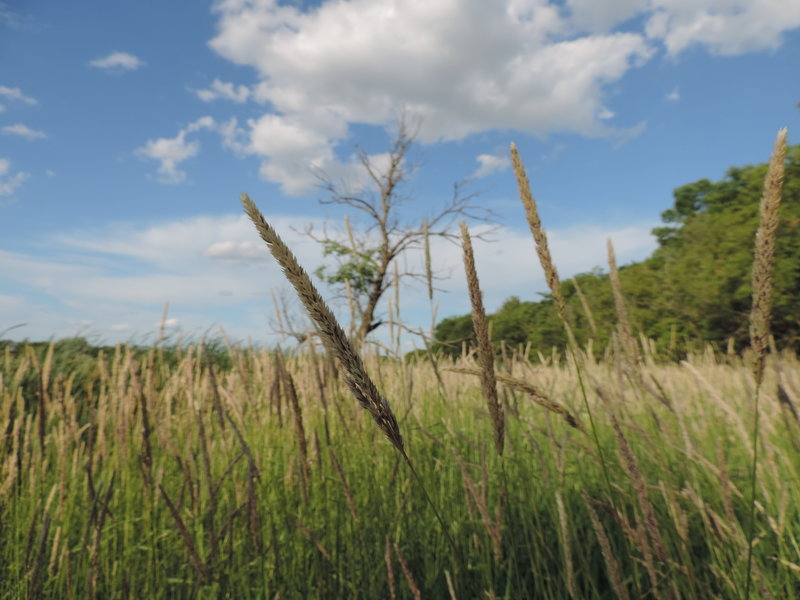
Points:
(366, 257)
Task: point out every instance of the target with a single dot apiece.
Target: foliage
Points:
(356, 268)
(694, 288)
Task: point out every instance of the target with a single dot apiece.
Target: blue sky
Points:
(129, 129)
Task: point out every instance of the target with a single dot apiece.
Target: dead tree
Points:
(364, 257)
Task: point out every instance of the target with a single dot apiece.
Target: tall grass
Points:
(211, 470)
(136, 488)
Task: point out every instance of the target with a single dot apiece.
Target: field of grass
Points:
(212, 470)
(166, 474)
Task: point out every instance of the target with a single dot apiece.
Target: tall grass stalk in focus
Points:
(553, 282)
(760, 313)
(335, 340)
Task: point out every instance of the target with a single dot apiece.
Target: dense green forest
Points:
(694, 288)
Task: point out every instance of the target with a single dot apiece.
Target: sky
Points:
(128, 131)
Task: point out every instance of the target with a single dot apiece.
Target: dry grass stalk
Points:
(612, 566)
(540, 237)
(409, 576)
(725, 482)
(348, 493)
(648, 528)
(194, 555)
(479, 495)
(629, 343)
(535, 395)
(387, 557)
(450, 587)
(762, 301)
(563, 531)
(359, 383)
(764, 253)
(485, 351)
(36, 570)
(586, 308)
(427, 246)
(299, 429)
(308, 533)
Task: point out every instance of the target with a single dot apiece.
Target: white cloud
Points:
(674, 95)
(464, 67)
(217, 270)
(118, 62)
(16, 94)
(8, 182)
(472, 66)
(2, 108)
(234, 137)
(510, 267)
(171, 152)
(236, 251)
(171, 322)
(123, 275)
(226, 91)
(195, 244)
(24, 131)
(490, 164)
(725, 27)
(602, 15)
(605, 114)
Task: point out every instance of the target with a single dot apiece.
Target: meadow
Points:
(213, 470)
(169, 474)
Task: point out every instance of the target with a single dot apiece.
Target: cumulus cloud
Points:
(226, 91)
(8, 182)
(472, 66)
(118, 62)
(490, 164)
(535, 66)
(24, 131)
(171, 152)
(17, 95)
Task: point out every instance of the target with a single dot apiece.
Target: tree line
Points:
(695, 288)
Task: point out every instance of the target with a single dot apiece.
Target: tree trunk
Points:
(369, 311)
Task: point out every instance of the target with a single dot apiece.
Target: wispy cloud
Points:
(8, 182)
(217, 270)
(24, 131)
(674, 95)
(118, 62)
(728, 28)
(226, 91)
(16, 94)
(490, 164)
(15, 20)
